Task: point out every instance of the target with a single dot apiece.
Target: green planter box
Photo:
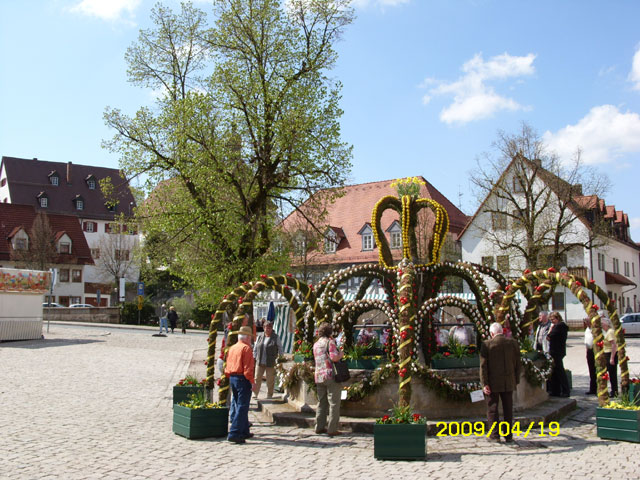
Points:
(363, 364)
(182, 394)
(201, 422)
(452, 362)
(618, 424)
(301, 358)
(399, 442)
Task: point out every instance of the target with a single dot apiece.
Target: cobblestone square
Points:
(96, 403)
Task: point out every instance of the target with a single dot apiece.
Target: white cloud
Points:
(473, 97)
(603, 135)
(107, 9)
(634, 76)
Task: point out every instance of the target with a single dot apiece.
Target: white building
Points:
(67, 189)
(495, 233)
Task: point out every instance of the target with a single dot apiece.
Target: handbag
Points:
(340, 369)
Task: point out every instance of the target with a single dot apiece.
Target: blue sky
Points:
(427, 84)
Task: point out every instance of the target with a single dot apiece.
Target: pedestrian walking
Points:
(239, 369)
(500, 368)
(163, 318)
(173, 317)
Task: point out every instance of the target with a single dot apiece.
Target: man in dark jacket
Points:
(558, 383)
(500, 368)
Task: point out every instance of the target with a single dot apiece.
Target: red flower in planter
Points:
(551, 270)
(605, 376)
(416, 417)
(263, 276)
(600, 343)
(446, 354)
(385, 418)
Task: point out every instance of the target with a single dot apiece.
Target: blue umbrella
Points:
(271, 314)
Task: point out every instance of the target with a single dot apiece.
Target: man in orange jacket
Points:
(239, 369)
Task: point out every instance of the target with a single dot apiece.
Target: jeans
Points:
(239, 410)
(163, 323)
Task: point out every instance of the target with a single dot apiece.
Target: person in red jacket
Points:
(239, 369)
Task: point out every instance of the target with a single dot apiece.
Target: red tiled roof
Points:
(12, 216)
(353, 210)
(27, 179)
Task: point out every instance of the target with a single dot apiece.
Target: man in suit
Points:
(558, 383)
(500, 368)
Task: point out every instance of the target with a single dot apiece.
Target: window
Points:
(557, 301)
(633, 269)
(79, 204)
(498, 221)
(54, 179)
(330, 242)
(64, 274)
(91, 184)
(367, 242)
(65, 247)
(20, 244)
(487, 261)
(616, 265)
(76, 300)
(503, 263)
(517, 184)
(76, 276)
(517, 219)
(95, 252)
(396, 239)
(601, 262)
(122, 255)
(626, 269)
(89, 227)
(44, 202)
(300, 246)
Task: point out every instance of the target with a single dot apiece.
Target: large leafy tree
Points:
(245, 122)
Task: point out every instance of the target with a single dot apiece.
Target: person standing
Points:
(173, 318)
(611, 355)
(460, 333)
(266, 350)
(325, 352)
(239, 369)
(542, 344)
(163, 318)
(500, 368)
(591, 360)
(558, 383)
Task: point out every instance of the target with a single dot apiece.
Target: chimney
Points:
(35, 159)
(69, 173)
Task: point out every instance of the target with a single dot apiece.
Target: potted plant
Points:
(303, 352)
(634, 391)
(619, 420)
(199, 418)
(357, 358)
(400, 436)
(186, 387)
(456, 355)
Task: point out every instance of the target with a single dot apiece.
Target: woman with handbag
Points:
(325, 352)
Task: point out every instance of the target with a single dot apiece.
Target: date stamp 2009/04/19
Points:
(503, 429)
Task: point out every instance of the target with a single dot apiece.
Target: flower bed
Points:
(618, 423)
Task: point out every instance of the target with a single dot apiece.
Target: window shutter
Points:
(84, 226)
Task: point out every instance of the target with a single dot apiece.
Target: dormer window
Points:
(395, 235)
(43, 200)
(367, 237)
(65, 247)
(54, 178)
(330, 241)
(79, 202)
(19, 239)
(63, 242)
(91, 182)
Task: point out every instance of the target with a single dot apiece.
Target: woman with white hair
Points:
(611, 355)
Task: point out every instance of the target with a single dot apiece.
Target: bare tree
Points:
(118, 254)
(40, 252)
(532, 204)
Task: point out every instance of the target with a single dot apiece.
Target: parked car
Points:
(631, 323)
(80, 305)
(46, 304)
